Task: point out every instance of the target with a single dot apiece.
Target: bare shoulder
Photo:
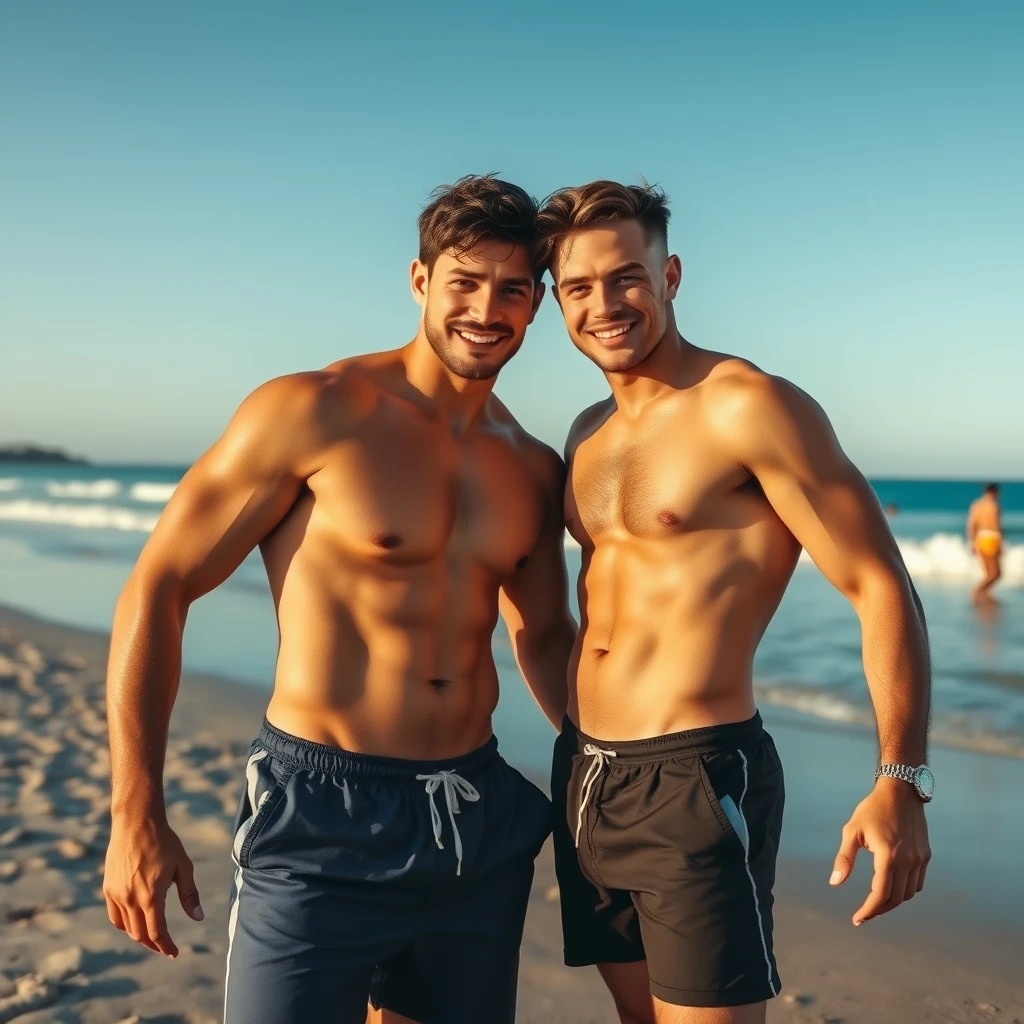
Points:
(740, 396)
(544, 463)
(287, 421)
(586, 423)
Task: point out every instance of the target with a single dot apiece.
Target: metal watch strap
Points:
(904, 772)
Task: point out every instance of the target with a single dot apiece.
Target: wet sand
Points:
(946, 957)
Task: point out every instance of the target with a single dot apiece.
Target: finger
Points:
(156, 925)
(881, 887)
(848, 847)
(897, 889)
(137, 928)
(114, 913)
(188, 894)
(913, 883)
(924, 868)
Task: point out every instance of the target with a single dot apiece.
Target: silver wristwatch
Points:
(921, 778)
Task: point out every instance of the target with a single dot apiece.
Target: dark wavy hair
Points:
(478, 208)
(600, 202)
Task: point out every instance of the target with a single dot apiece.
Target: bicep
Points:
(822, 498)
(233, 496)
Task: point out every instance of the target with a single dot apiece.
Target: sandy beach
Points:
(955, 954)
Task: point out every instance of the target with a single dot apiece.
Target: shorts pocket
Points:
(265, 791)
(732, 821)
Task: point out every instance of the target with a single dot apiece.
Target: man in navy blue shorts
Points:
(383, 849)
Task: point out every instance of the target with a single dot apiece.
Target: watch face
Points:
(925, 782)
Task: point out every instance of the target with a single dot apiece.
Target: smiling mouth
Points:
(611, 333)
(480, 337)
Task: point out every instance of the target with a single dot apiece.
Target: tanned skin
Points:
(398, 507)
(691, 491)
(984, 514)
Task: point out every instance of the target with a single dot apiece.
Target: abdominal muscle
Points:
(384, 660)
(669, 637)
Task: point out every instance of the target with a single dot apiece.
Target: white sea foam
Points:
(946, 557)
(90, 489)
(84, 517)
(949, 728)
(158, 494)
(9, 483)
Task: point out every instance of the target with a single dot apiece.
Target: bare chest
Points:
(653, 483)
(400, 496)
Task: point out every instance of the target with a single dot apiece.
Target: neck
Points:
(456, 401)
(662, 371)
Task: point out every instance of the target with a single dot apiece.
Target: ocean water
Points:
(69, 536)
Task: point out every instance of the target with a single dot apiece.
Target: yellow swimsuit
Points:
(988, 542)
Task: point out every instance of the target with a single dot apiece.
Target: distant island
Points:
(34, 453)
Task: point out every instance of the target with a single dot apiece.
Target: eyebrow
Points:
(475, 276)
(568, 282)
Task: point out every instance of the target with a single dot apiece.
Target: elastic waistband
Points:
(322, 757)
(708, 740)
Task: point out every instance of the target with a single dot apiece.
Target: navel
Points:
(522, 561)
(388, 541)
(438, 684)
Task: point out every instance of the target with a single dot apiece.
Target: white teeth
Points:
(614, 332)
(480, 339)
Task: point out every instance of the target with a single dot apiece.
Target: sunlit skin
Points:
(399, 508)
(691, 491)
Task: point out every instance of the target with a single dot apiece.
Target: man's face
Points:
(613, 286)
(476, 307)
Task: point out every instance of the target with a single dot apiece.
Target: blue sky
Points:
(196, 197)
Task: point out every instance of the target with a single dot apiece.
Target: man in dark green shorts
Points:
(691, 491)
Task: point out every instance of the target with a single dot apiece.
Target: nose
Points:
(485, 308)
(605, 302)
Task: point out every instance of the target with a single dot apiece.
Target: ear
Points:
(673, 277)
(538, 294)
(419, 278)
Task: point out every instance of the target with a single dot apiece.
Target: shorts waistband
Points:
(707, 740)
(322, 757)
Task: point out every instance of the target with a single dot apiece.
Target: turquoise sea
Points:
(70, 534)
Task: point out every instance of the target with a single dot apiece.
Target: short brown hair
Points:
(478, 208)
(600, 202)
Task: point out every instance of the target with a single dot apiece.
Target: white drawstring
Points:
(454, 787)
(600, 761)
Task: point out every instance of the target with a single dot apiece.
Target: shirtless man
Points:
(381, 843)
(985, 538)
(691, 490)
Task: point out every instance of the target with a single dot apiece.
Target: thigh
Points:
(599, 925)
(278, 973)
(463, 967)
(631, 990)
(669, 1013)
(706, 905)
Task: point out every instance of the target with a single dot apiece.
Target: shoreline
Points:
(913, 965)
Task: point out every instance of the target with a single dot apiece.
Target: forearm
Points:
(897, 666)
(142, 682)
(543, 661)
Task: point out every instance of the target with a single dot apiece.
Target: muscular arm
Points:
(535, 606)
(226, 503)
(784, 439)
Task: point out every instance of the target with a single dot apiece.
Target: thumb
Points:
(188, 894)
(844, 859)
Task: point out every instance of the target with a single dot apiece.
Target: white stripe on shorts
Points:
(746, 864)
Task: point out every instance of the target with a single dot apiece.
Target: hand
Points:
(890, 823)
(143, 860)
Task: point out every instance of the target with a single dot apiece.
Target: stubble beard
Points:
(437, 335)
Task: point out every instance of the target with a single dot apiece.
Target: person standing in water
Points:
(985, 538)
